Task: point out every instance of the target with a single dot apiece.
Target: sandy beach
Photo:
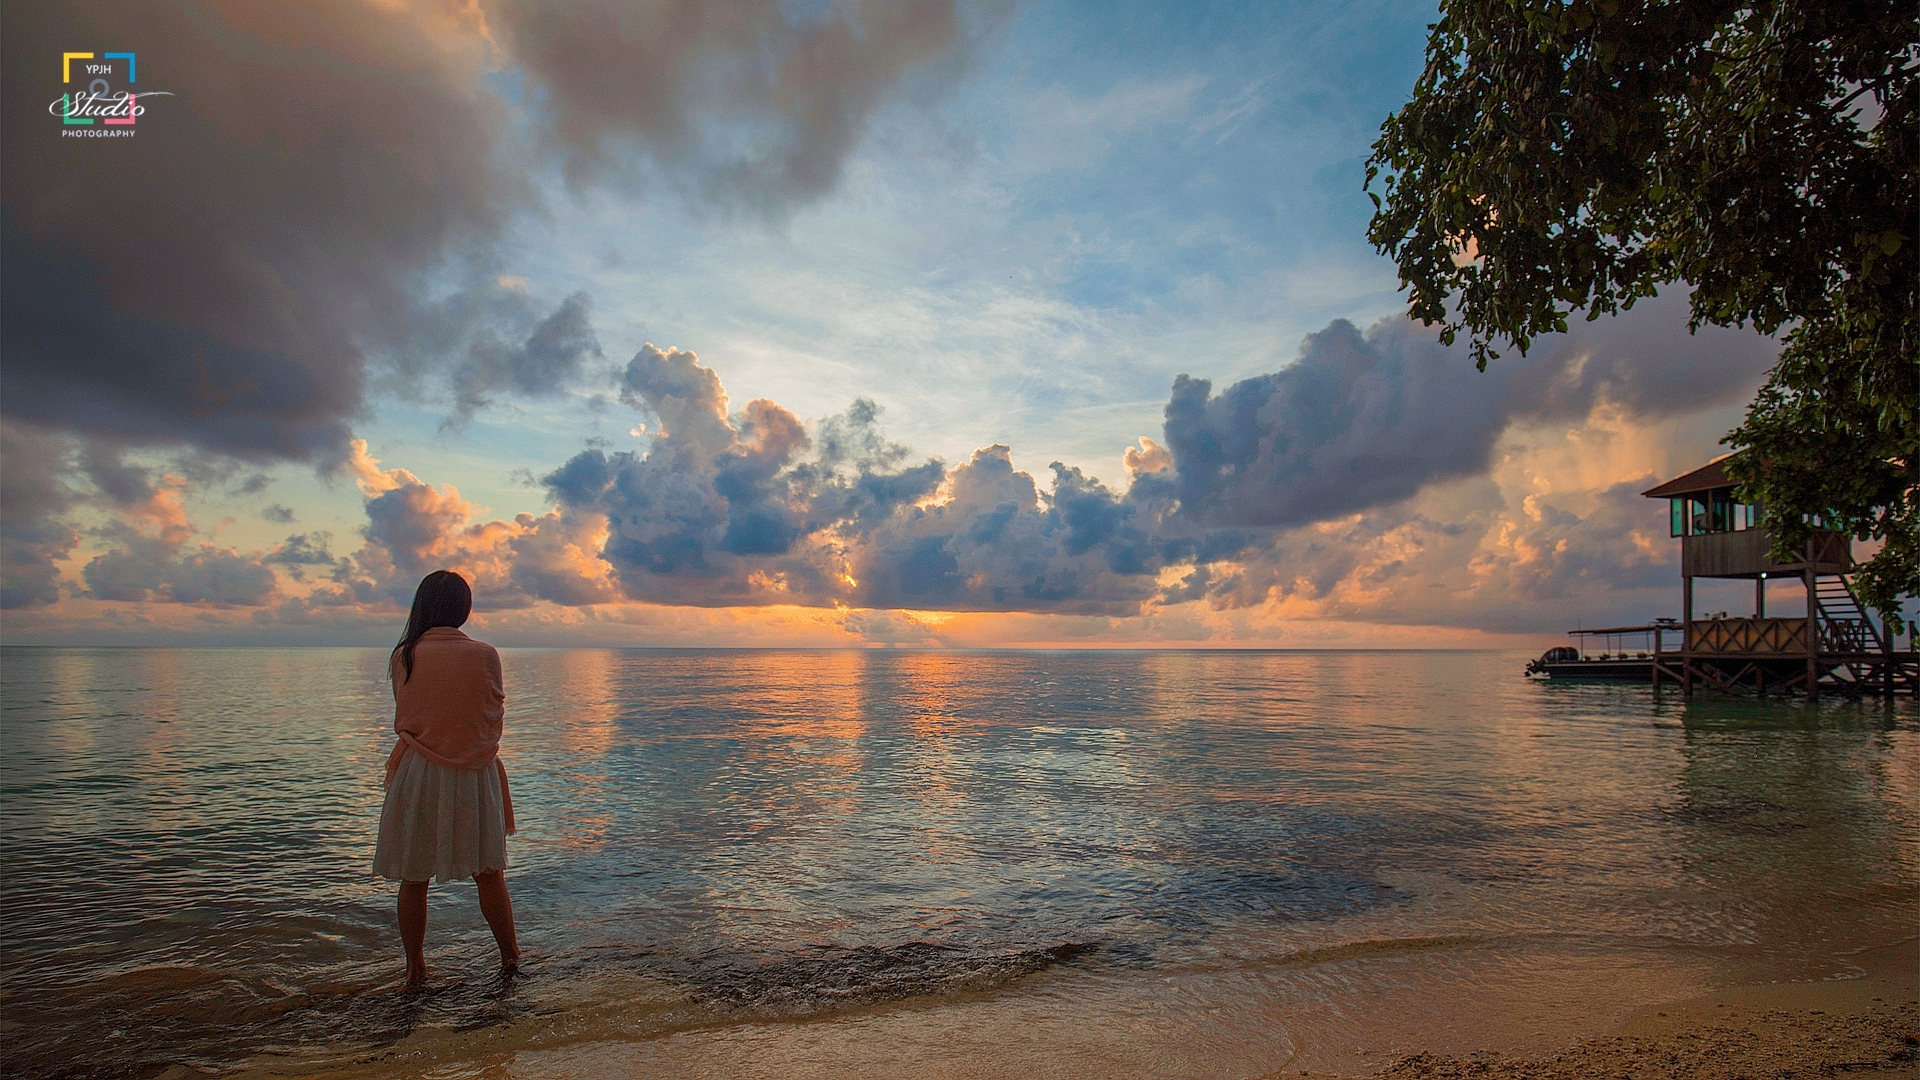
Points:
(1865, 1027)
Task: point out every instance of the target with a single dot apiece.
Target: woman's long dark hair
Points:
(443, 599)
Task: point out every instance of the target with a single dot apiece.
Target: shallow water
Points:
(752, 863)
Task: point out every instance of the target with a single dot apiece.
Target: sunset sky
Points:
(803, 323)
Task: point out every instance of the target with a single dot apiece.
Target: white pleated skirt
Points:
(440, 823)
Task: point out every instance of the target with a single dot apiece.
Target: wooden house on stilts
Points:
(1836, 647)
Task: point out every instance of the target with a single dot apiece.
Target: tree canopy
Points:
(1563, 156)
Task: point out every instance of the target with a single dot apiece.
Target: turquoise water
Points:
(714, 842)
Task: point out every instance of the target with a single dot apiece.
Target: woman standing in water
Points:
(448, 811)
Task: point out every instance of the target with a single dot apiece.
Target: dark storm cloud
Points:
(238, 275)
(219, 280)
(1363, 420)
(319, 210)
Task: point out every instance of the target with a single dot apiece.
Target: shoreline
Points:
(1867, 1026)
(1862, 1025)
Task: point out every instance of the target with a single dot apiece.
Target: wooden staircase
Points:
(1845, 628)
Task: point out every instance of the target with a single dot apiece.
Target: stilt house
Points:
(1834, 647)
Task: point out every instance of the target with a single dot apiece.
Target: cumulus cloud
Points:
(414, 529)
(232, 285)
(1366, 419)
(1351, 485)
(145, 548)
(151, 554)
(748, 508)
(152, 569)
(300, 551)
(1311, 489)
(1466, 554)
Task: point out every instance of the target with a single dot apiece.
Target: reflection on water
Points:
(717, 838)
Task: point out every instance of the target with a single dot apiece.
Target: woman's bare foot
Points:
(417, 976)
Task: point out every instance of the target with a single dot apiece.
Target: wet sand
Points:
(1865, 1027)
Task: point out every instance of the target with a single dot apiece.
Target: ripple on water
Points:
(712, 838)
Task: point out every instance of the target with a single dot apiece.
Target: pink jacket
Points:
(452, 709)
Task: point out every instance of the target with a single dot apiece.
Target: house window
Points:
(1720, 510)
(1697, 515)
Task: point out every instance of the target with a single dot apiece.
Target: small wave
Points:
(1362, 950)
(834, 977)
(144, 1018)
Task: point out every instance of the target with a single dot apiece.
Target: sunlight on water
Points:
(1206, 857)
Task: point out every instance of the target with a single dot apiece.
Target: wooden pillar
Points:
(1886, 654)
(1686, 635)
(1760, 597)
(1657, 636)
(1813, 630)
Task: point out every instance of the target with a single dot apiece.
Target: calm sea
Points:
(1018, 863)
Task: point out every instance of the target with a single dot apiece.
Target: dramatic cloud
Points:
(1363, 420)
(316, 203)
(731, 509)
(322, 205)
(754, 508)
(414, 529)
(1470, 559)
(320, 189)
(220, 279)
(1312, 490)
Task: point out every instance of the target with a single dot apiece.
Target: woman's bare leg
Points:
(498, 908)
(413, 929)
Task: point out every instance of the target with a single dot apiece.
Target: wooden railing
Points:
(1769, 637)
